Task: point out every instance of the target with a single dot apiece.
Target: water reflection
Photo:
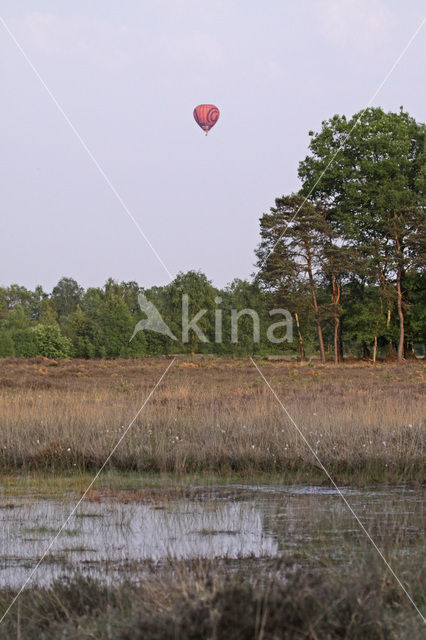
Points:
(110, 538)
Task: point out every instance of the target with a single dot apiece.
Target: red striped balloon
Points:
(206, 116)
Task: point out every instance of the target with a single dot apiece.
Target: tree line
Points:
(345, 255)
(99, 322)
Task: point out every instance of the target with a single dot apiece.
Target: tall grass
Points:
(364, 422)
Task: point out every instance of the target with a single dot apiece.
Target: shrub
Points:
(50, 342)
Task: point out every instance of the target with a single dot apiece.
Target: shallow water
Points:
(111, 539)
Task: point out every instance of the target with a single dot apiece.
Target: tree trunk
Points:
(390, 346)
(302, 348)
(336, 340)
(401, 318)
(336, 319)
(400, 310)
(375, 349)
(321, 341)
(340, 342)
(315, 306)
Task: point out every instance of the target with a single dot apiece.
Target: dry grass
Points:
(364, 421)
(219, 601)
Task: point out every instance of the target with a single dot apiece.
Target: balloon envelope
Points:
(206, 116)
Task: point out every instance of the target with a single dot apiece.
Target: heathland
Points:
(217, 416)
(239, 560)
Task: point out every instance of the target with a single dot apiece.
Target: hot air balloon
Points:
(206, 116)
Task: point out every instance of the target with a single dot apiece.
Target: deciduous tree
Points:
(370, 172)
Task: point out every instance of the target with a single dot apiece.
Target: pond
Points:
(112, 537)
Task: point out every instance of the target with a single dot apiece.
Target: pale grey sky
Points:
(128, 74)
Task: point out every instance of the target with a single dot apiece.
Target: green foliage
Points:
(48, 312)
(416, 307)
(369, 172)
(50, 342)
(294, 239)
(117, 327)
(7, 347)
(16, 319)
(25, 342)
(201, 295)
(75, 327)
(66, 296)
(17, 296)
(241, 295)
(364, 318)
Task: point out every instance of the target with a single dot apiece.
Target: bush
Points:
(50, 342)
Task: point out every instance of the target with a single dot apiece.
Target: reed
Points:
(214, 415)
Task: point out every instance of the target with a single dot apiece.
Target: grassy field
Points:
(212, 416)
